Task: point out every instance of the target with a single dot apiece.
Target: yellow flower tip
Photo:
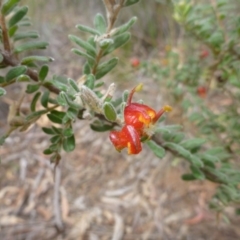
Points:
(144, 120)
(129, 148)
(167, 108)
(139, 87)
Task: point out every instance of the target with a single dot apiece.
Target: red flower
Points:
(139, 115)
(139, 119)
(202, 91)
(127, 137)
(135, 62)
(204, 54)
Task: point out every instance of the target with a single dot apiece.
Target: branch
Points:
(56, 199)
(210, 176)
(10, 60)
(6, 42)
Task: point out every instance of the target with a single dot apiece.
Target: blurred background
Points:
(105, 194)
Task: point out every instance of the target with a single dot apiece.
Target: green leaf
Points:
(35, 115)
(1, 57)
(109, 112)
(34, 101)
(119, 41)
(196, 161)
(67, 132)
(197, 173)
(49, 131)
(12, 30)
(215, 174)
(47, 151)
(86, 68)
(56, 116)
(72, 113)
(2, 91)
(156, 149)
(15, 72)
(31, 88)
(8, 6)
(88, 30)
(123, 28)
(2, 140)
(218, 152)
(178, 137)
(209, 157)
(55, 139)
(130, 2)
(43, 73)
(57, 130)
(69, 144)
(74, 85)
(100, 23)
(69, 101)
(45, 98)
(80, 53)
(188, 177)
(90, 81)
(106, 43)
(216, 39)
(30, 46)
(168, 128)
(24, 35)
(31, 59)
(25, 22)
(23, 78)
(61, 100)
(55, 147)
(99, 84)
(60, 82)
(2, 79)
(18, 15)
(106, 67)
(125, 95)
(192, 144)
(99, 126)
(85, 45)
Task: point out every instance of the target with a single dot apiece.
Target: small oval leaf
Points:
(15, 72)
(109, 112)
(157, 150)
(69, 144)
(18, 15)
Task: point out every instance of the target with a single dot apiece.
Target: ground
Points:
(103, 194)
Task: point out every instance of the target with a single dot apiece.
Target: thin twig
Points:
(56, 199)
(113, 10)
(6, 42)
(10, 60)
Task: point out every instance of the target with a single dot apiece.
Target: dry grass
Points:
(103, 194)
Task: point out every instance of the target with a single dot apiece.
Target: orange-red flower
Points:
(139, 118)
(127, 137)
(139, 115)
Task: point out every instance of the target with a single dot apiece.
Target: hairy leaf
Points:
(156, 149)
(8, 6)
(15, 72)
(100, 23)
(34, 101)
(17, 16)
(106, 67)
(30, 46)
(69, 144)
(109, 112)
(88, 30)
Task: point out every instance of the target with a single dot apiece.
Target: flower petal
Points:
(138, 115)
(126, 137)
